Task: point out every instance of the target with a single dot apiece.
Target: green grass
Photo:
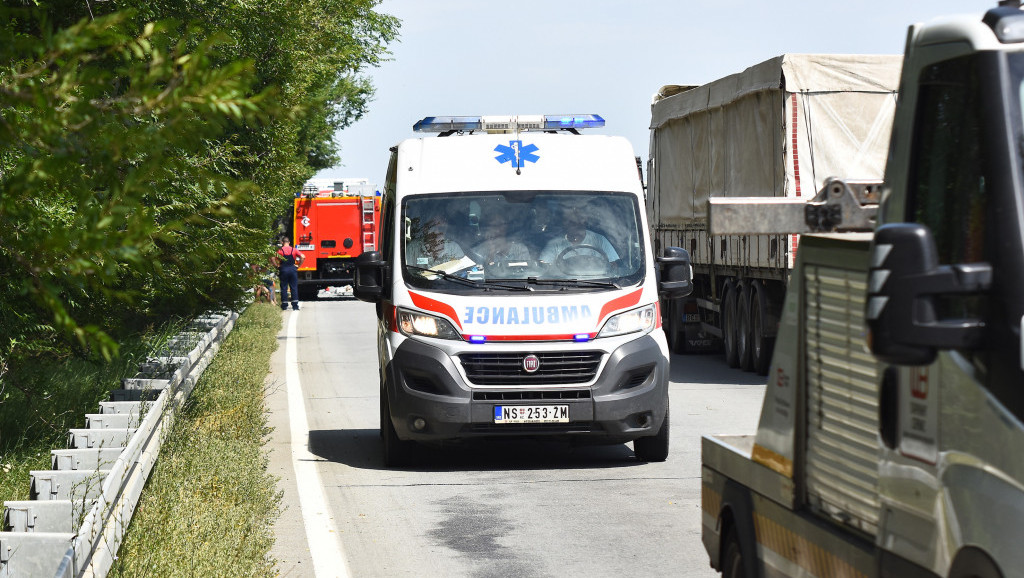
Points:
(209, 506)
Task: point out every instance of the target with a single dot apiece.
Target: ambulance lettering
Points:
(551, 314)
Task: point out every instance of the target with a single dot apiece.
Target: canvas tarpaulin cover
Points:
(779, 128)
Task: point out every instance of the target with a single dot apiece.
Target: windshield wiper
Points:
(485, 283)
(574, 283)
(444, 275)
(505, 284)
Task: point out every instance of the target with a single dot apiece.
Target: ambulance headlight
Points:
(641, 319)
(416, 323)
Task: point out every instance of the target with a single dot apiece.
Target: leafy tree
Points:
(146, 148)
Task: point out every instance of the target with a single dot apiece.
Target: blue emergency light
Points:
(443, 123)
(502, 124)
(552, 121)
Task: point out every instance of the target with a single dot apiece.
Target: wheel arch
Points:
(973, 562)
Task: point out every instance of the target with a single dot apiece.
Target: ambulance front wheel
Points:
(654, 448)
(396, 451)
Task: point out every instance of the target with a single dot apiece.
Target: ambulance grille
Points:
(842, 400)
(556, 368)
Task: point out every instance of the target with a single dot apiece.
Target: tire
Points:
(733, 563)
(729, 327)
(743, 332)
(674, 330)
(396, 451)
(760, 346)
(654, 448)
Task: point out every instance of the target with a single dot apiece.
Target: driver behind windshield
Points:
(578, 240)
(498, 246)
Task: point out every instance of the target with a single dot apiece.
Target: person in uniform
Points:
(287, 261)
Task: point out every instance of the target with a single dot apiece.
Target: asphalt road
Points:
(514, 508)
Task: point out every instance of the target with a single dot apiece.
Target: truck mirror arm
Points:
(904, 281)
(945, 280)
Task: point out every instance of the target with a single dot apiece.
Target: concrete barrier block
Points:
(111, 420)
(41, 516)
(32, 553)
(99, 438)
(71, 485)
(84, 459)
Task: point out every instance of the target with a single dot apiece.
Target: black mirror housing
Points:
(904, 280)
(676, 274)
(369, 277)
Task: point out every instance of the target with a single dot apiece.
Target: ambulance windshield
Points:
(522, 241)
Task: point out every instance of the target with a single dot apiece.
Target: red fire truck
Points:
(332, 224)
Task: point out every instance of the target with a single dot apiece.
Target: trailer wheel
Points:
(396, 451)
(654, 448)
(729, 326)
(733, 564)
(761, 346)
(743, 332)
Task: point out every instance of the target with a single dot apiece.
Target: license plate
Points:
(531, 414)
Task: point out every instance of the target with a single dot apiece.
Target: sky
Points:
(606, 57)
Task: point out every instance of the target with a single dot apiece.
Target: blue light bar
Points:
(446, 123)
(558, 121)
(509, 123)
(581, 337)
(477, 338)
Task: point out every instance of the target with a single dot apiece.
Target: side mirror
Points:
(369, 281)
(676, 273)
(904, 282)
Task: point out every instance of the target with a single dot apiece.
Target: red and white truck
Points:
(333, 222)
(889, 442)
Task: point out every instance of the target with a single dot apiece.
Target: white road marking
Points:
(321, 534)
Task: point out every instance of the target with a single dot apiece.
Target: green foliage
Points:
(97, 126)
(146, 148)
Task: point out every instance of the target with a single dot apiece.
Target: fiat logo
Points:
(531, 363)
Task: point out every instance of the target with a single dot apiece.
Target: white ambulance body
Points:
(516, 288)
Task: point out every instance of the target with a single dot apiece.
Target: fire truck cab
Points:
(332, 224)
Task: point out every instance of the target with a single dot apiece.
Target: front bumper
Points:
(626, 400)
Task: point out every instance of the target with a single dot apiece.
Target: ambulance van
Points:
(516, 288)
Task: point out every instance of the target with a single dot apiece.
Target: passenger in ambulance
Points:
(431, 246)
(579, 246)
(499, 245)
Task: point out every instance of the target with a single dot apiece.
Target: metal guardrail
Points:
(80, 510)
